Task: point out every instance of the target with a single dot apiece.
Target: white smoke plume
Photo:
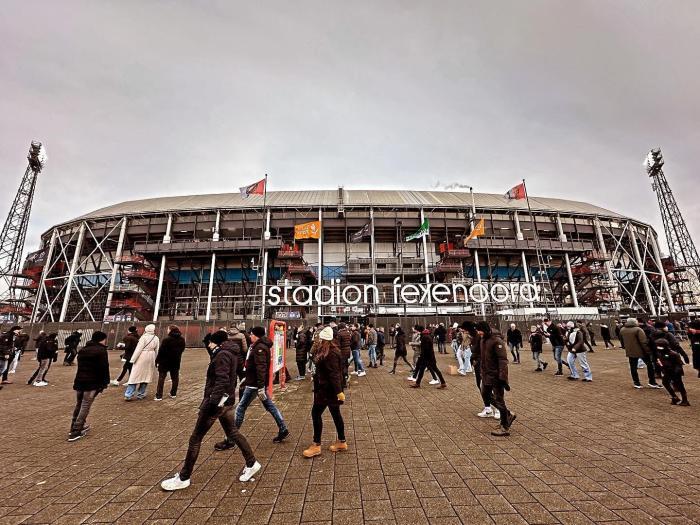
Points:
(451, 186)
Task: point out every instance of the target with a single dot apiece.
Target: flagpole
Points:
(538, 247)
(477, 264)
(263, 252)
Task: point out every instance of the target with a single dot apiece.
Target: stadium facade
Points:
(207, 257)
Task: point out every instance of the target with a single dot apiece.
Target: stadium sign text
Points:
(336, 294)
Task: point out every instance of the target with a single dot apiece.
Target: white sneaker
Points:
(654, 385)
(496, 414)
(433, 382)
(486, 412)
(353, 373)
(249, 472)
(40, 383)
(175, 483)
(114, 382)
(361, 374)
(461, 372)
(637, 386)
(411, 378)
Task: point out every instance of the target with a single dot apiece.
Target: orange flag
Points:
(478, 230)
(308, 230)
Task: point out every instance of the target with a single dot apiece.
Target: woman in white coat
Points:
(143, 370)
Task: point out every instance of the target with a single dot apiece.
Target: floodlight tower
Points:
(15, 231)
(680, 245)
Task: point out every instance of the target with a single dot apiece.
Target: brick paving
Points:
(579, 453)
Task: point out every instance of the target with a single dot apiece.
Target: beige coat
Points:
(144, 358)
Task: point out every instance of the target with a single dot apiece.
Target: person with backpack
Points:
(168, 361)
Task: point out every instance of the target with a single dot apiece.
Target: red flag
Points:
(257, 188)
(517, 192)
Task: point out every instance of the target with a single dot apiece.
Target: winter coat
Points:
(494, 359)
(555, 336)
(427, 350)
(144, 359)
(234, 347)
(514, 337)
(670, 339)
(380, 341)
(371, 337)
(221, 378)
(328, 378)
(441, 333)
(93, 368)
(236, 335)
(575, 343)
(695, 347)
(605, 332)
(476, 348)
(21, 342)
(48, 349)
(170, 352)
(635, 341)
(344, 340)
(73, 340)
(130, 341)
(536, 342)
(7, 343)
(400, 341)
(257, 365)
(355, 340)
(300, 347)
(668, 359)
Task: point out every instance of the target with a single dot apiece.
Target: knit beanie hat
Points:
(258, 331)
(98, 337)
(326, 334)
(218, 337)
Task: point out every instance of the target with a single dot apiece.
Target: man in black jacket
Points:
(91, 378)
(71, 350)
(7, 346)
(257, 375)
(168, 361)
(216, 404)
(427, 359)
(131, 339)
(494, 374)
(557, 340)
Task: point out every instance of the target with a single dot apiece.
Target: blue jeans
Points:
(130, 389)
(359, 367)
(571, 359)
(557, 356)
(372, 355)
(4, 365)
(250, 393)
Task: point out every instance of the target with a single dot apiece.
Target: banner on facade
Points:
(421, 232)
(308, 230)
(361, 234)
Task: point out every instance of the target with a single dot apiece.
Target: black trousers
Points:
(174, 376)
(419, 365)
(485, 393)
(83, 403)
(497, 399)
(126, 369)
(650, 369)
(317, 419)
(430, 365)
(70, 355)
(301, 365)
(396, 360)
(675, 380)
(205, 420)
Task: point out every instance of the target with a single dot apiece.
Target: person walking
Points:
(557, 341)
(586, 336)
(217, 403)
(46, 354)
(143, 364)
(591, 334)
(344, 340)
(328, 393)
(400, 351)
(372, 345)
(381, 343)
(607, 337)
(91, 378)
(618, 332)
(464, 353)
(494, 375)
(417, 354)
(670, 362)
(475, 341)
(257, 372)
(636, 348)
(302, 356)
(71, 350)
(427, 358)
(515, 342)
(168, 361)
(536, 342)
(355, 346)
(441, 336)
(7, 348)
(130, 342)
(694, 336)
(577, 352)
(18, 347)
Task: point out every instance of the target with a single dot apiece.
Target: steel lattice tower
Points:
(680, 244)
(15, 229)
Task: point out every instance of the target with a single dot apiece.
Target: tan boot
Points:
(338, 446)
(313, 450)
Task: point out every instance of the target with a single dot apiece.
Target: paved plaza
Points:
(579, 453)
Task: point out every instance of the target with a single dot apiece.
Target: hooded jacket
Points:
(131, 341)
(328, 377)
(7, 342)
(494, 359)
(257, 365)
(427, 350)
(344, 338)
(221, 378)
(400, 341)
(48, 349)
(93, 368)
(300, 346)
(634, 339)
(170, 352)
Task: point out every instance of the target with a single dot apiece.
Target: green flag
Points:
(423, 231)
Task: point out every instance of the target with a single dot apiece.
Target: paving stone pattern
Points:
(579, 453)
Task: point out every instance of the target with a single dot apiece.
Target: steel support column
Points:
(44, 273)
(115, 267)
(526, 269)
(518, 231)
(207, 317)
(161, 274)
(608, 264)
(664, 282)
(71, 275)
(642, 273)
(572, 287)
(560, 229)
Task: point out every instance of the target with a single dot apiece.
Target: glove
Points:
(262, 396)
(341, 397)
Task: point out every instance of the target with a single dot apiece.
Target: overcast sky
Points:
(143, 99)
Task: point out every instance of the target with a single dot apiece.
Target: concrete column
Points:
(518, 231)
(266, 236)
(664, 282)
(44, 273)
(572, 287)
(115, 267)
(211, 286)
(425, 254)
(161, 275)
(215, 236)
(320, 259)
(371, 247)
(560, 229)
(71, 275)
(643, 274)
(608, 264)
(526, 270)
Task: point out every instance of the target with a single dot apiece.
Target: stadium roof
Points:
(351, 198)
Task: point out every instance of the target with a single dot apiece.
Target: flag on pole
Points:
(308, 230)
(361, 234)
(516, 192)
(423, 231)
(257, 188)
(478, 230)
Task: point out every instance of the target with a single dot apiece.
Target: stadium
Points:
(215, 257)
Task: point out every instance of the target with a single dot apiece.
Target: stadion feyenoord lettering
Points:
(336, 294)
